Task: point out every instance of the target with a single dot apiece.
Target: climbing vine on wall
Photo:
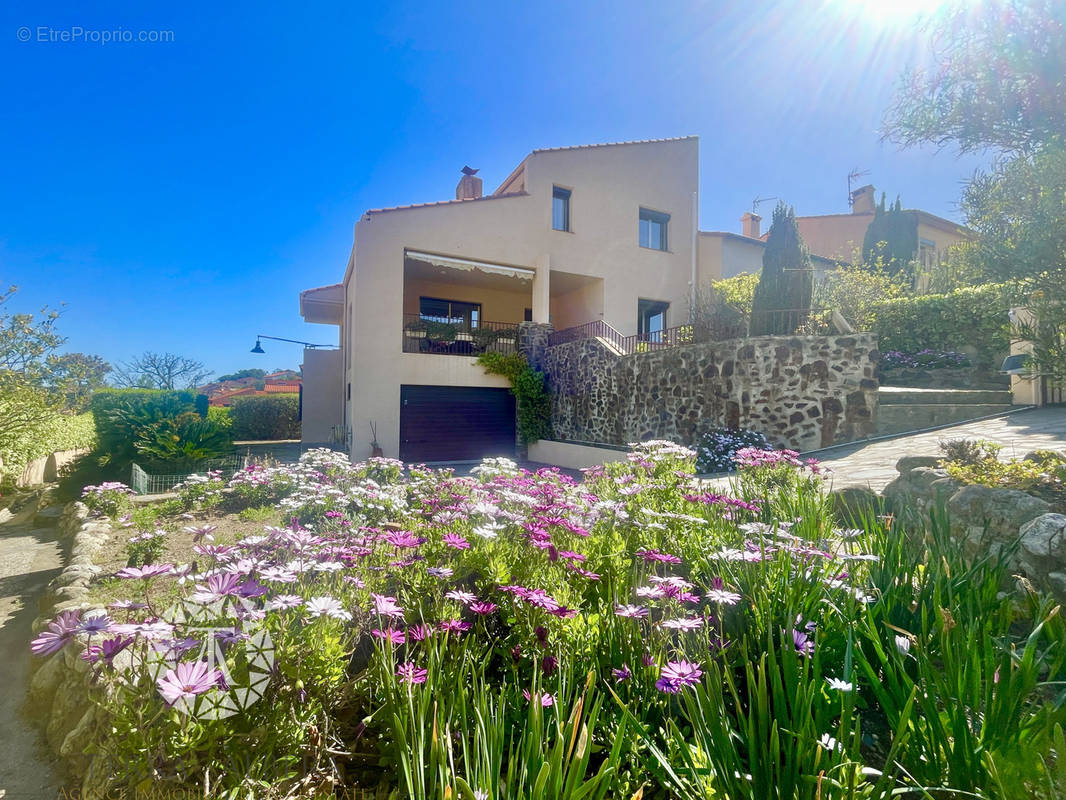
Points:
(529, 389)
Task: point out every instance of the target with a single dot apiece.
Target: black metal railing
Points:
(716, 326)
(460, 338)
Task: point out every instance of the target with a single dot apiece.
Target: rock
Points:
(43, 685)
(987, 519)
(1042, 552)
(853, 503)
(907, 463)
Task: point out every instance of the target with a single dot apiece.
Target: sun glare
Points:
(893, 11)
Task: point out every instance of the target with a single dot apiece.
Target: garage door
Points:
(456, 423)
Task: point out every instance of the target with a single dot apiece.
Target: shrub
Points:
(51, 433)
(266, 417)
(528, 387)
(181, 442)
(120, 414)
(966, 318)
(108, 499)
(1041, 474)
(715, 449)
(737, 291)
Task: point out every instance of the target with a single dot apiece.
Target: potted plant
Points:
(441, 331)
(417, 329)
(375, 448)
(484, 338)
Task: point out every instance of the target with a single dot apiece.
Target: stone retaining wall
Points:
(58, 692)
(803, 392)
(985, 520)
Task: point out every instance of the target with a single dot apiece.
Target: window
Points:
(653, 229)
(560, 208)
(927, 253)
(651, 319)
(527, 315)
(452, 312)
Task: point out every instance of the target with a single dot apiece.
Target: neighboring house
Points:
(223, 393)
(724, 254)
(839, 236)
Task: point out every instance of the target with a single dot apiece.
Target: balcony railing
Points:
(421, 335)
(713, 327)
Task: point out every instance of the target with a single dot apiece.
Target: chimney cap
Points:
(470, 171)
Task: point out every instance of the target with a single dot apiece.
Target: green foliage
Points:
(995, 81)
(221, 416)
(274, 416)
(1041, 473)
(738, 291)
(74, 377)
(892, 237)
(966, 319)
(242, 373)
(180, 442)
(782, 298)
(121, 413)
(854, 289)
(528, 387)
(26, 340)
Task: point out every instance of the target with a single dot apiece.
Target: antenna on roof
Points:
(853, 175)
(759, 201)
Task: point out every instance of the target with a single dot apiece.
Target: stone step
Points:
(899, 418)
(895, 395)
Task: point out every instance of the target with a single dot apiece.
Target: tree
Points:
(996, 82)
(893, 237)
(995, 79)
(782, 298)
(242, 373)
(75, 376)
(161, 371)
(26, 340)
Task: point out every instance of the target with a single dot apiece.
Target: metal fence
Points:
(143, 482)
(715, 327)
(461, 338)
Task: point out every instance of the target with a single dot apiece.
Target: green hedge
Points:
(966, 320)
(59, 432)
(272, 416)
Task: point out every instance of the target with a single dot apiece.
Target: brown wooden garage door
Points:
(455, 423)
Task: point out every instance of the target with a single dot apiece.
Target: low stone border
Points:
(985, 520)
(57, 698)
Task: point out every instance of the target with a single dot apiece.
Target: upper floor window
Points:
(653, 225)
(450, 312)
(560, 208)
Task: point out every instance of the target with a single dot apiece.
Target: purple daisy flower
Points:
(622, 675)
(410, 674)
(101, 623)
(187, 680)
(677, 675)
(389, 634)
(59, 631)
(466, 598)
(455, 541)
(454, 626)
(483, 607)
(546, 700)
(147, 572)
(633, 612)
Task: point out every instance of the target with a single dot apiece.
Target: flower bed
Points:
(514, 635)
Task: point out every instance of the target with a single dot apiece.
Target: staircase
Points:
(902, 409)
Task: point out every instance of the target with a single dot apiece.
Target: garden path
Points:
(873, 464)
(30, 557)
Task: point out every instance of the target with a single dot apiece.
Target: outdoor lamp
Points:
(259, 344)
(1015, 365)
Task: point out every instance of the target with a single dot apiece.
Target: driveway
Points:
(873, 464)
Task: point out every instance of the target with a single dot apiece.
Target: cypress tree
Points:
(892, 236)
(782, 298)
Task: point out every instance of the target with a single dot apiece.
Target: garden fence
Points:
(143, 482)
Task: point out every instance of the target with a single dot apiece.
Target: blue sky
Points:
(178, 195)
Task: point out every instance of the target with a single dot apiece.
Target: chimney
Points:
(862, 200)
(469, 187)
(750, 224)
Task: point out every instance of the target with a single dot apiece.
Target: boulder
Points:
(1043, 552)
(907, 463)
(985, 519)
(854, 503)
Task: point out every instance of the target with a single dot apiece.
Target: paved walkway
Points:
(873, 464)
(29, 558)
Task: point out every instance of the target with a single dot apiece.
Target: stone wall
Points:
(533, 341)
(803, 392)
(984, 520)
